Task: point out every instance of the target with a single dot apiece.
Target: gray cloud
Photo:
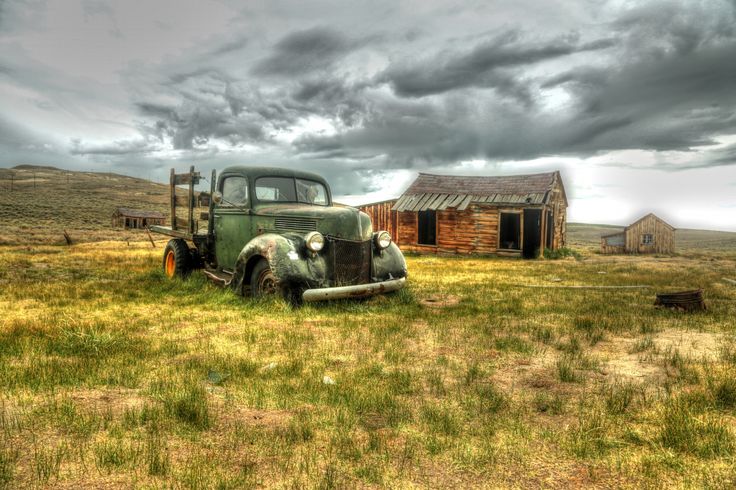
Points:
(304, 52)
(481, 65)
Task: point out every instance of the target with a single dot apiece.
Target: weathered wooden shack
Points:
(517, 215)
(648, 235)
(135, 218)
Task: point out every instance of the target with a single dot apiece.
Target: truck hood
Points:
(341, 222)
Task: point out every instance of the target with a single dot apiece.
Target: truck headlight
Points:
(315, 241)
(382, 239)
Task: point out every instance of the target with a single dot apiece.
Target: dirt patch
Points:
(633, 365)
(632, 358)
(228, 413)
(116, 400)
(699, 345)
(423, 345)
(535, 372)
(439, 301)
(263, 418)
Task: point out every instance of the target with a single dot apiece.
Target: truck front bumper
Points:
(358, 291)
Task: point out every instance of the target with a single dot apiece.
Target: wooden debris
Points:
(730, 281)
(683, 300)
(148, 231)
(67, 238)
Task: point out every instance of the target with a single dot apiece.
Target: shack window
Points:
(427, 227)
(647, 239)
(615, 240)
(510, 235)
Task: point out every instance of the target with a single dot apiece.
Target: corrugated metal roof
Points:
(439, 192)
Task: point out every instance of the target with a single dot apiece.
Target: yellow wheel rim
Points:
(170, 264)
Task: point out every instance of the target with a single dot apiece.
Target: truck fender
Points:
(388, 264)
(288, 258)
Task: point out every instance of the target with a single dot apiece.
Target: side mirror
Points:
(217, 197)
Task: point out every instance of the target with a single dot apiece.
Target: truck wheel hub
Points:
(267, 283)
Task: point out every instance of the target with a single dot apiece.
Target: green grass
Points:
(111, 375)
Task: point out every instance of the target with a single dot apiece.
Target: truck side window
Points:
(235, 191)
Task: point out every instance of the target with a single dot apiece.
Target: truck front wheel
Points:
(263, 282)
(177, 259)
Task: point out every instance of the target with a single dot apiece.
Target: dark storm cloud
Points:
(305, 51)
(480, 65)
(673, 87)
(674, 100)
(206, 113)
(661, 26)
(659, 76)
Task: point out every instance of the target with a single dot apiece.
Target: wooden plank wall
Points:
(607, 248)
(664, 237)
(559, 209)
(471, 231)
(382, 218)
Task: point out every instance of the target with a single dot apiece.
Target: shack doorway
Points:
(550, 230)
(509, 237)
(532, 233)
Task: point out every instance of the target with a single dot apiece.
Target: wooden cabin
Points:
(517, 215)
(131, 219)
(648, 235)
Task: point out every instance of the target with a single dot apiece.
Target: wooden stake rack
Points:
(190, 179)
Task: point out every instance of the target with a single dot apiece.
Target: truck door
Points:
(232, 220)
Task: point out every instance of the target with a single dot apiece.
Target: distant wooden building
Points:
(648, 235)
(516, 215)
(135, 218)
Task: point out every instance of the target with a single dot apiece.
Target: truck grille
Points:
(303, 225)
(351, 262)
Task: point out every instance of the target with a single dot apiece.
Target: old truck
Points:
(277, 231)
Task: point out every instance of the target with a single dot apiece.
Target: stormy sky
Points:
(633, 101)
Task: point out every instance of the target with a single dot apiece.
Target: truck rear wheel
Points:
(177, 259)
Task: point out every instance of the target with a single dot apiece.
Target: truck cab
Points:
(276, 231)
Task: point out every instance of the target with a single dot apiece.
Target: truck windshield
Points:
(289, 189)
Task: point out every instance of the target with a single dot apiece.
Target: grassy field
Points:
(112, 376)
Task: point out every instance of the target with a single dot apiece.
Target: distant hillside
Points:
(583, 235)
(44, 201)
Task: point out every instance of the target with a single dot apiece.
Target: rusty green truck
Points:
(276, 231)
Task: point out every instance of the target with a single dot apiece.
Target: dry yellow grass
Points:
(113, 376)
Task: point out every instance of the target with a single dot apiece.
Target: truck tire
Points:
(177, 259)
(263, 282)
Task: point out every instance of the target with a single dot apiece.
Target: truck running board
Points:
(219, 278)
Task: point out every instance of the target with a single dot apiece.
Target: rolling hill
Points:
(38, 203)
